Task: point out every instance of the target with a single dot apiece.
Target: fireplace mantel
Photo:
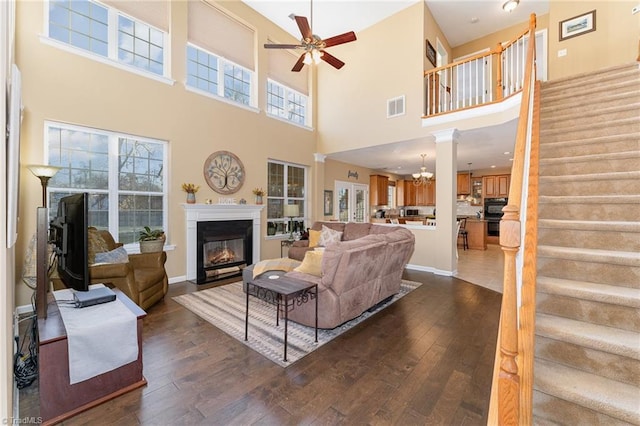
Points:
(195, 213)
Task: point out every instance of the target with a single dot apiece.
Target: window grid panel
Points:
(89, 159)
(135, 46)
(81, 24)
(275, 99)
(279, 195)
(286, 103)
(202, 70)
(237, 83)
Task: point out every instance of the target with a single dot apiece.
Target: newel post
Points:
(508, 377)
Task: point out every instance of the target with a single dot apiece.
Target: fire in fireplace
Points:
(224, 249)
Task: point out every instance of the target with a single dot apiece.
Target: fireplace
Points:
(222, 214)
(224, 248)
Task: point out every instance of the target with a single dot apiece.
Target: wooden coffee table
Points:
(285, 293)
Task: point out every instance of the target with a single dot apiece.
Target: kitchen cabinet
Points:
(476, 191)
(426, 194)
(405, 193)
(496, 186)
(400, 193)
(464, 184)
(378, 190)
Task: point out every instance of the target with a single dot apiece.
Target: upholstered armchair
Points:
(143, 278)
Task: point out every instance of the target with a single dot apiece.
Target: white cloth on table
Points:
(100, 338)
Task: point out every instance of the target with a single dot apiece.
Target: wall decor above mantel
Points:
(224, 172)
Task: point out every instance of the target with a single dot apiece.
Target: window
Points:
(286, 185)
(286, 103)
(92, 27)
(203, 73)
(124, 175)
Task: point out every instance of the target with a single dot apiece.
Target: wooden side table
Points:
(285, 293)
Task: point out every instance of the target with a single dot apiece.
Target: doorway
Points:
(352, 202)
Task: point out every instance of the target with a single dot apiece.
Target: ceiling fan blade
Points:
(282, 46)
(340, 39)
(299, 64)
(305, 29)
(331, 60)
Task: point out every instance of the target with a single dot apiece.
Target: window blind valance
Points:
(280, 63)
(153, 12)
(216, 31)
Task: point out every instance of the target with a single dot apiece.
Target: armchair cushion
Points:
(117, 255)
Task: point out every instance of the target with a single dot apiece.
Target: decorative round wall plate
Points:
(224, 172)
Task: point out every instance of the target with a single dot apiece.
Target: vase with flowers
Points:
(191, 190)
(259, 193)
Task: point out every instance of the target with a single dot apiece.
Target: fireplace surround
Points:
(198, 214)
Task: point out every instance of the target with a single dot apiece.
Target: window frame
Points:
(111, 58)
(113, 191)
(220, 94)
(304, 217)
(287, 104)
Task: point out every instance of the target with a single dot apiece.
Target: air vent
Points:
(395, 107)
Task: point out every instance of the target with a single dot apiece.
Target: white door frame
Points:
(354, 214)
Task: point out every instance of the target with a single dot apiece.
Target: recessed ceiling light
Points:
(493, 167)
(507, 153)
(510, 5)
(474, 20)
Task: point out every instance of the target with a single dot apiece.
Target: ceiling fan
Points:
(314, 47)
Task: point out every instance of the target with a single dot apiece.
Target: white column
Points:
(446, 175)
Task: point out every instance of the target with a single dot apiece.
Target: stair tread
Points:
(572, 116)
(607, 339)
(592, 176)
(616, 399)
(623, 296)
(590, 225)
(590, 199)
(592, 140)
(618, 257)
(590, 157)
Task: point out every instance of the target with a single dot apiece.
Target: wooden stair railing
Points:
(513, 380)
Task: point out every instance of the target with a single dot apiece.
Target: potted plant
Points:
(151, 241)
(191, 190)
(259, 193)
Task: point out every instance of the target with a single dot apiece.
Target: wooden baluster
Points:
(498, 52)
(508, 377)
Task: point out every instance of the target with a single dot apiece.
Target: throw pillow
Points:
(97, 244)
(118, 255)
(311, 264)
(314, 237)
(328, 236)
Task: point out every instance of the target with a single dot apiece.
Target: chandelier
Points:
(423, 176)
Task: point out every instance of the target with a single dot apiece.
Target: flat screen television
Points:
(69, 234)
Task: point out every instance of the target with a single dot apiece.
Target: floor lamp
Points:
(44, 173)
(291, 211)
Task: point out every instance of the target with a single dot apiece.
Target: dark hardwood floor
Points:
(426, 359)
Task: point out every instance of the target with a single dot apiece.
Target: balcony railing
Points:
(472, 81)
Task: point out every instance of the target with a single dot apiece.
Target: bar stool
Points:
(462, 232)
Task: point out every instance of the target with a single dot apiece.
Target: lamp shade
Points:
(43, 170)
(291, 210)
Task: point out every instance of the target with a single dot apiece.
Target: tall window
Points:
(286, 103)
(124, 175)
(286, 185)
(204, 73)
(92, 27)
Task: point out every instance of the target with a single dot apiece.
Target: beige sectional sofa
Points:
(357, 273)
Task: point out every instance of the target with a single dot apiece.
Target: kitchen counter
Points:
(476, 234)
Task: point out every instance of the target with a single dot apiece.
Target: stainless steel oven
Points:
(493, 213)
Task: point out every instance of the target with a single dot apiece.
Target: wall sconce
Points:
(44, 173)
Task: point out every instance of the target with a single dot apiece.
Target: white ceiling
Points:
(460, 20)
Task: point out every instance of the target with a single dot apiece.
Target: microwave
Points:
(411, 212)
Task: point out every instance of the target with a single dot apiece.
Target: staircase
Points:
(587, 350)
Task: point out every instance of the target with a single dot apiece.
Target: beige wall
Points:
(384, 63)
(66, 87)
(432, 31)
(614, 42)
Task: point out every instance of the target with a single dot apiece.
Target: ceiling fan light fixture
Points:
(510, 5)
(308, 59)
(316, 55)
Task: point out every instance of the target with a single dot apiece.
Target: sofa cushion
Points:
(311, 264)
(338, 226)
(314, 238)
(329, 236)
(353, 231)
(96, 244)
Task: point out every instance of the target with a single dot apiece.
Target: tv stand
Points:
(59, 399)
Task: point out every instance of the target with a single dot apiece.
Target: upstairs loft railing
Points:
(472, 82)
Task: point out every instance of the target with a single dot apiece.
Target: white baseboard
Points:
(434, 271)
(178, 279)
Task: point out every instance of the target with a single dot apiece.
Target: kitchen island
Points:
(476, 234)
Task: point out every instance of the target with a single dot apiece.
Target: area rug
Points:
(224, 307)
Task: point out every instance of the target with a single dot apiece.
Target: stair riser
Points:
(612, 366)
(589, 187)
(552, 149)
(587, 131)
(562, 106)
(590, 311)
(612, 76)
(588, 211)
(564, 412)
(588, 99)
(588, 119)
(592, 165)
(611, 240)
(601, 273)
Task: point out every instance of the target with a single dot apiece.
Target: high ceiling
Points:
(461, 21)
